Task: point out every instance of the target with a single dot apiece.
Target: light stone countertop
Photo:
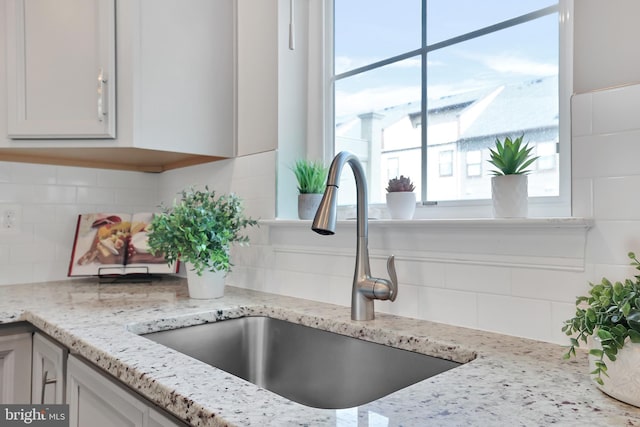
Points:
(508, 381)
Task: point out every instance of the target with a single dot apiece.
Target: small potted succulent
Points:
(401, 200)
(311, 176)
(608, 320)
(199, 230)
(509, 183)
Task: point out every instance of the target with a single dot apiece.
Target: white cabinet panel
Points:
(61, 68)
(95, 400)
(48, 371)
(15, 368)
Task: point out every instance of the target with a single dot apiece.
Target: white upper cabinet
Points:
(61, 68)
(165, 68)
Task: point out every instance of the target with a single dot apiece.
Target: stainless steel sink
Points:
(307, 365)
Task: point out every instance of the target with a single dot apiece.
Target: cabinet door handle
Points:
(45, 382)
(101, 95)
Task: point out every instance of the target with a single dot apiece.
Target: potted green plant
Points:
(401, 200)
(608, 320)
(311, 177)
(199, 230)
(509, 183)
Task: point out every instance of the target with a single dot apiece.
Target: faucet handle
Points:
(391, 269)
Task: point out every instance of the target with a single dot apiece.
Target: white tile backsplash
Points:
(616, 110)
(581, 107)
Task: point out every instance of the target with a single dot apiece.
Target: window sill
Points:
(549, 243)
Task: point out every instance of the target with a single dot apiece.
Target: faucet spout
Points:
(365, 289)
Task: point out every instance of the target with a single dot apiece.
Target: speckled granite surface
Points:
(507, 382)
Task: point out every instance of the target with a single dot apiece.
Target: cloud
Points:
(346, 63)
(373, 99)
(516, 64)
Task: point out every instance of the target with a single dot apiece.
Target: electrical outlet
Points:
(10, 218)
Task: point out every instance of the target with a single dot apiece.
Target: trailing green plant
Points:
(311, 176)
(399, 184)
(611, 312)
(511, 157)
(199, 229)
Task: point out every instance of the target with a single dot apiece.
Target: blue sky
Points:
(370, 30)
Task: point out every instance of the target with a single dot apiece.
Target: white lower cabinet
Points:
(15, 368)
(48, 371)
(97, 401)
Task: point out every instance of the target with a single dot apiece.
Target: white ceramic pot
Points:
(623, 380)
(308, 205)
(207, 286)
(401, 204)
(510, 196)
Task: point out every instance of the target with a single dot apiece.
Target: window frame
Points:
(539, 206)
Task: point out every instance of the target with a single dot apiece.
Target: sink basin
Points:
(307, 365)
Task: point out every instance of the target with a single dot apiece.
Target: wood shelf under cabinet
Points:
(121, 158)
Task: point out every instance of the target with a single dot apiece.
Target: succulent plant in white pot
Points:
(509, 185)
(199, 230)
(311, 177)
(401, 200)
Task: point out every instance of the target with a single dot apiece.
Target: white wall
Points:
(51, 197)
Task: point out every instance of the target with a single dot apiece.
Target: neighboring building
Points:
(461, 128)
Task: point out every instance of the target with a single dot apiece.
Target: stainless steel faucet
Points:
(366, 289)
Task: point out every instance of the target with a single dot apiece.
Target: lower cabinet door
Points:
(15, 368)
(48, 371)
(97, 401)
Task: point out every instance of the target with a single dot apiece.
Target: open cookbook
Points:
(114, 244)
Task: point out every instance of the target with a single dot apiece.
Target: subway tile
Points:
(16, 274)
(559, 313)
(421, 273)
(39, 214)
(5, 172)
(134, 196)
(610, 241)
(478, 278)
(406, 304)
(54, 194)
(613, 198)
(616, 109)
(581, 114)
(515, 316)
(48, 271)
(4, 254)
(561, 286)
(448, 306)
(612, 154)
(582, 197)
(96, 195)
(614, 273)
(27, 254)
(27, 173)
(16, 193)
(125, 179)
(77, 176)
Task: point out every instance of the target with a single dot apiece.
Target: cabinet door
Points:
(15, 368)
(96, 400)
(61, 68)
(48, 371)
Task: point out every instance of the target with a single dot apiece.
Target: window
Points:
(474, 163)
(431, 95)
(446, 163)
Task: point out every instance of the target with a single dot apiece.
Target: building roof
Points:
(532, 104)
